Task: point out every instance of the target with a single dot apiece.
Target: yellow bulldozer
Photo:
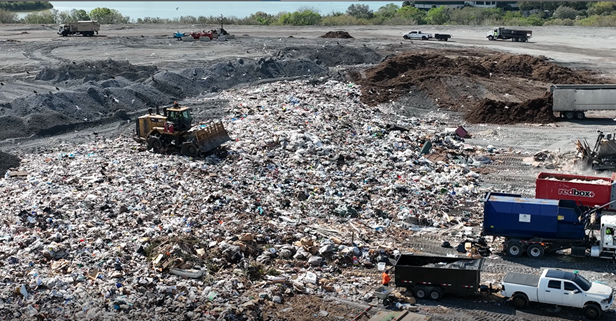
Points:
(173, 131)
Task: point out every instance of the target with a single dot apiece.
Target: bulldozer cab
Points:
(180, 117)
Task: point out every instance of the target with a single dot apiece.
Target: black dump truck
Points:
(505, 34)
(433, 276)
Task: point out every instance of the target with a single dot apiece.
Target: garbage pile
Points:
(315, 190)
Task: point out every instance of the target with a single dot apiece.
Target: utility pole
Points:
(221, 19)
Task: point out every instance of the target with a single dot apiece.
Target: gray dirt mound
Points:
(94, 96)
(8, 161)
(337, 34)
(538, 110)
(332, 55)
(96, 70)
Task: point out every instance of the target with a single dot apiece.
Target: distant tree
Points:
(42, 17)
(437, 16)
(79, 15)
(387, 11)
(407, 4)
(300, 18)
(25, 5)
(108, 16)
(360, 11)
(600, 8)
(412, 13)
(262, 18)
(7, 16)
(336, 14)
(563, 12)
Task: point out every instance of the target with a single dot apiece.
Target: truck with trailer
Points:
(85, 28)
(537, 226)
(559, 288)
(433, 276)
(590, 191)
(572, 101)
(503, 33)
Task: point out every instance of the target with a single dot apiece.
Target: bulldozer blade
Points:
(211, 137)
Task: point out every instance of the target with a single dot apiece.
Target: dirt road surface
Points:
(25, 50)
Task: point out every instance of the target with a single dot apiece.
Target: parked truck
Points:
(537, 226)
(417, 35)
(85, 28)
(559, 288)
(503, 33)
(572, 101)
(433, 276)
(590, 191)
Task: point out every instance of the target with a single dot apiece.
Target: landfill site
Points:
(341, 151)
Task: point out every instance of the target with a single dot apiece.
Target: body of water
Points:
(240, 9)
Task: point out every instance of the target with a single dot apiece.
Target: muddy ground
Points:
(64, 90)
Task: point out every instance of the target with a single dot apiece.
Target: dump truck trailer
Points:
(537, 226)
(433, 276)
(590, 191)
(572, 101)
(502, 33)
(85, 28)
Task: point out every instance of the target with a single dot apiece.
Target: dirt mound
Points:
(332, 56)
(460, 82)
(337, 34)
(98, 90)
(538, 110)
(8, 161)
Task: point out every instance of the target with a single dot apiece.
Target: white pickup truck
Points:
(559, 288)
(417, 35)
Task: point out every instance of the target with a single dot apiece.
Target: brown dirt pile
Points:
(460, 82)
(538, 110)
(337, 34)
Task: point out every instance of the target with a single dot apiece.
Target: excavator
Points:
(173, 131)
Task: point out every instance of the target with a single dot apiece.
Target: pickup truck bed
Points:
(522, 279)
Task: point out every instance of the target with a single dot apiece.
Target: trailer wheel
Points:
(535, 251)
(436, 294)
(420, 293)
(569, 115)
(592, 311)
(515, 249)
(520, 301)
(579, 115)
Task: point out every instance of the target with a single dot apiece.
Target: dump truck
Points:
(503, 33)
(590, 191)
(572, 101)
(173, 131)
(433, 276)
(560, 288)
(537, 226)
(85, 28)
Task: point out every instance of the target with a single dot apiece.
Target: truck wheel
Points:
(592, 311)
(420, 293)
(535, 251)
(490, 38)
(569, 115)
(189, 149)
(154, 143)
(436, 294)
(520, 301)
(515, 249)
(579, 115)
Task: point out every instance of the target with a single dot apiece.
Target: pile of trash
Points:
(337, 34)
(313, 192)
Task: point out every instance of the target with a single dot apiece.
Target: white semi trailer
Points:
(572, 101)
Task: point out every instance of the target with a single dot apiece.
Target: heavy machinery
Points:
(602, 156)
(173, 131)
(198, 34)
(85, 28)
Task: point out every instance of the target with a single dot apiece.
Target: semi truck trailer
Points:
(538, 226)
(572, 101)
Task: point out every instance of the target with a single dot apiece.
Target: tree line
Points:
(528, 13)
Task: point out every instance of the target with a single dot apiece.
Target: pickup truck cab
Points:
(417, 35)
(559, 288)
